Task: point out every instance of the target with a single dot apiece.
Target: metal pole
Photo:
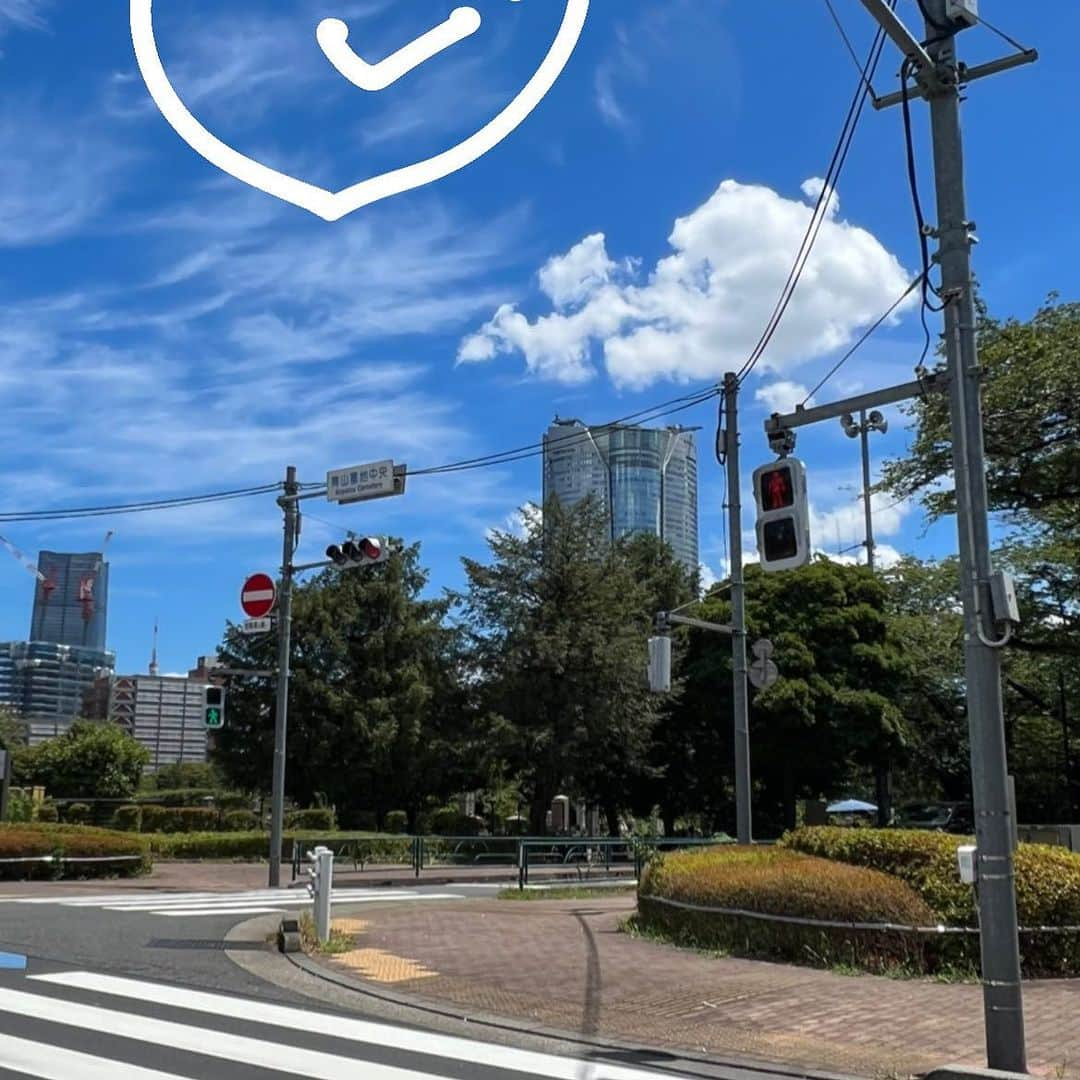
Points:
(1002, 997)
(281, 717)
(864, 440)
(738, 613)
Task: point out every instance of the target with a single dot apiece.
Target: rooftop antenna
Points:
(153, 652)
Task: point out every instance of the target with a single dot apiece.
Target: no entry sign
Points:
(258, 595)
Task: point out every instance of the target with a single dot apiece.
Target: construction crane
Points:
(47, 585)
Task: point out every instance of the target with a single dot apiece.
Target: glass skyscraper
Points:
(45, 680)
(644, 478)
(71, 603)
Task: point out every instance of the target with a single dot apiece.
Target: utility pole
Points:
(1002, 997)
(738, 612)
(289, 506)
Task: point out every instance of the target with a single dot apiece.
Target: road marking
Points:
(255, 1053)
(288, 1018)
(55, 1063)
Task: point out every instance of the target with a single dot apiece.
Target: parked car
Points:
(951, 817)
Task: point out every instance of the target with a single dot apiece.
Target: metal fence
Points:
(568, 857)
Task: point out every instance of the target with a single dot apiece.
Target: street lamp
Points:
(861, 430)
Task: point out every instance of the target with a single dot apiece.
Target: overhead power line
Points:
(77, 512)
(820, 212)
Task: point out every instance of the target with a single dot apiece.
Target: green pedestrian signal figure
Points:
(215, 707)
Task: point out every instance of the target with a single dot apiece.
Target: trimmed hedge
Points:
(397, 822)
(256, 845)
(169, 819)
(1047, 878)
(240, 821)
(127, 818)
(313, 818)
(178, 796)
(776, 881)
(47, 813)
(73, 841)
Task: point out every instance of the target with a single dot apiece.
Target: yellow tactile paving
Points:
(351, 926)
(384, 967)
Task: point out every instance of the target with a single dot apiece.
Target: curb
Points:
(729, 1068)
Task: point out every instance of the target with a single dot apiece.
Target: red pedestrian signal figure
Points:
(783, 524)
(777, 489)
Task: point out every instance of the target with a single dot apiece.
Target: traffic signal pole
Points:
(289, 506)
(740, 695)
(938, 76)
(1002, 998)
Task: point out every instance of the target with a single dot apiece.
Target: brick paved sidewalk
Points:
(566, 965)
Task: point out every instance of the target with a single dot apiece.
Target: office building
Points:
(46, 683)
(645, 479)
(166, 713)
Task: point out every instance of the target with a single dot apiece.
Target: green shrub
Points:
(184, 775)
(397, 822)
(159, 819)
(239, 821)
(77, 813)
(312, 818)
(776, 881)
(365, 821)
(232, 800)
(924, 860)
(47, 813)
(74, 841)
(127, 818)
(178, 797)
(20, 806)
(451, 822)
(211, 845)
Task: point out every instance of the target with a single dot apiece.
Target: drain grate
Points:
(208, 944)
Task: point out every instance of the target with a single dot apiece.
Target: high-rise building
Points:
(45, 680)
(46, 683)
(645, 479)
(166, 713)
(71, 600)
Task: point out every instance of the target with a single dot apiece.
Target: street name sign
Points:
(361, 483)
(258, 595)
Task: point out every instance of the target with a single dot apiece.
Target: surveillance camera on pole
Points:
(364, 551)
(783, 523)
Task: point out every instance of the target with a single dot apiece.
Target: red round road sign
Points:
(258, 595)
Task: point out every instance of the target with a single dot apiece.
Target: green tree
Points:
(830, 719)
(375, 698)
(90, 760)
(557, 624)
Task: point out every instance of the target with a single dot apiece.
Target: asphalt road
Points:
(119, 986)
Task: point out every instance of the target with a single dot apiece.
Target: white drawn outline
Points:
(333, 38)
(334, 205)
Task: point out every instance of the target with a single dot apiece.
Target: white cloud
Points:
(24, 14)
(702, 308)
(53, 179)
(782, 396)
(574, 277)
(845, 526)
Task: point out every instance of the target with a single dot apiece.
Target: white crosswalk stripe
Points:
(253, 902)
(79, 1024)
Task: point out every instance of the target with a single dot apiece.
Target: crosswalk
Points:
(82, 1025)
(253, 902)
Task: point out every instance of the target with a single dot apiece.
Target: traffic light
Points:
(783, 522)
(215, 707)
(363, 551)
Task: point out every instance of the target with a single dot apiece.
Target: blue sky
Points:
(165, 330)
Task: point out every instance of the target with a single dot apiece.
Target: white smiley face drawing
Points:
(333, 38)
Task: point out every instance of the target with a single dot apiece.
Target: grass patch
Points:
(338, 943)
(568, 892)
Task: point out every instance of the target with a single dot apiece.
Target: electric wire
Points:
(865, 337)
(79, 512)
(850, 48)
(1001, 34)
(820, 212)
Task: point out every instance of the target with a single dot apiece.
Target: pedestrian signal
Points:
(783, 521)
